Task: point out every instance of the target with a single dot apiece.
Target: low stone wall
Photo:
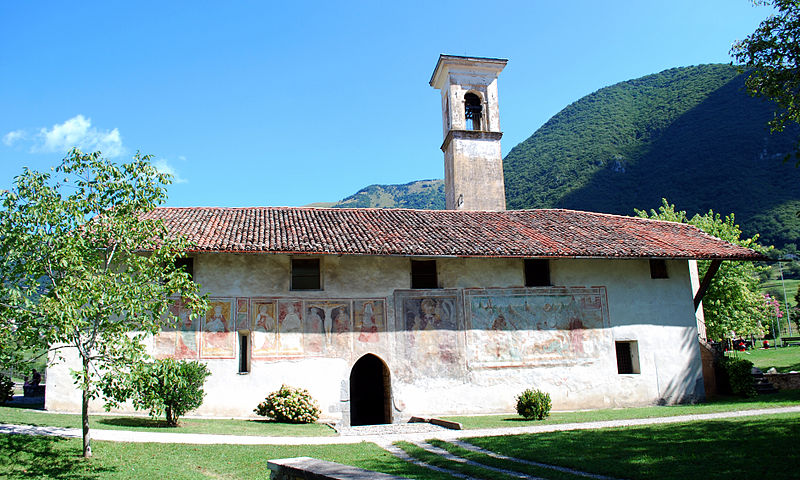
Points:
(784, 381)
(306, 468)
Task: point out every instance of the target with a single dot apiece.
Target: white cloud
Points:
(163, 166)
(78, 132)
(11, 138)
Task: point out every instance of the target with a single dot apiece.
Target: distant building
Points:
(386, 313)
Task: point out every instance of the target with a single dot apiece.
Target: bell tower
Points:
(473, 162)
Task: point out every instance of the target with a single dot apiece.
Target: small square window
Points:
(537, 273)
(658, 268)
(186, 264)
(423, 274)
(627, 357)
(305, 274)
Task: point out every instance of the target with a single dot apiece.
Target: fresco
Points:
(178, 341)
(369, 321)
(264, 329)
(242, 319)
(290, 328)
(328, 328)
(218, 337)
(529, 327)
(430, 326)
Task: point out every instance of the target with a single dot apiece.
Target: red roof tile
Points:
(370, 231)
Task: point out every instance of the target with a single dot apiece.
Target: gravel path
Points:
(395, 435)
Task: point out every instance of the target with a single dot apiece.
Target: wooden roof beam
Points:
(712, 270)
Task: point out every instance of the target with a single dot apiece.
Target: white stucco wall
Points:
(655, 313)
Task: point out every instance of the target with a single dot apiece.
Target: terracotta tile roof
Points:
(370, 231)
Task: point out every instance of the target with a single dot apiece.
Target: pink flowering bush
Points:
(289, 405)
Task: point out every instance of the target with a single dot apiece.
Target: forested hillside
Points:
(691, 135)
(422, 194)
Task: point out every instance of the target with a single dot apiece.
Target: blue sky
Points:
(267, 103)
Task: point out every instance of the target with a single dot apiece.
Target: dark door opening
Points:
(370, 394)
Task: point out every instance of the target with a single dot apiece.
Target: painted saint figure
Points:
(369, 329)
(218, 341)
(290, 331)
(264, 331)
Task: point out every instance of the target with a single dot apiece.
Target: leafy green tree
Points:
(84, 274)
(733, 301)
(165, 387)
(772, 52)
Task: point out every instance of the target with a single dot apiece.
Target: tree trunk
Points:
(87, 439)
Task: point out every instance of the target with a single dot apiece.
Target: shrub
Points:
(289, 405)
(740, 375)
(533, 404)
(165, 387)
(6, 389)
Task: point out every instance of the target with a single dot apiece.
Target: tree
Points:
(772, 53)
(83, 272)
(165, 387)
(733, 301)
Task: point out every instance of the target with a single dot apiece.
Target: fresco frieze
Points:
(178, 341)
(529, 327)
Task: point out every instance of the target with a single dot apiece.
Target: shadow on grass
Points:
(26, 456)
(28, 403)
(135, 422)
(763, 447)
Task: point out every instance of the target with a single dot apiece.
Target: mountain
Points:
(691, 135)
(422, 194)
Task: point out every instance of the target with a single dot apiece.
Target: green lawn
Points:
(757, 447)
(27, 457)
(145, 424)
(763, 446)
(783, 359)
(776, 287)
(781, 399)
(267, 428)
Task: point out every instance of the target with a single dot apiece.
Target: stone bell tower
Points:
(473, 163)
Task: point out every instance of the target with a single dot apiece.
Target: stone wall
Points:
(784, 381)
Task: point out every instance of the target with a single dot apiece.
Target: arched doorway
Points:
(370, 392)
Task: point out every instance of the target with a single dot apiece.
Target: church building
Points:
(387, 313)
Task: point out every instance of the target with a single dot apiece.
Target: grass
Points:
(266, 428)
(532, 470)
(756, 447)
(27, 457)
(728, 404)
(752, 447)
(21, 416)
(775, 286)
(783, 359)
(466, 469)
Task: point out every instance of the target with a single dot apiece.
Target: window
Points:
(244, 353)
(472, 111)
(627, 357)
(423, 274)
(537, 273)
(186, 264)
(658, 268)
(305, 274)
